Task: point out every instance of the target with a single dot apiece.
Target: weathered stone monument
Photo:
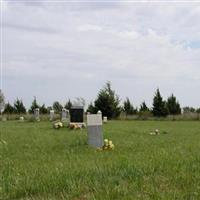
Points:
(105, 119)
(51, 115)
(64, 115)
(37, 114)
(77, 114)
(21, 119)
(94, 127)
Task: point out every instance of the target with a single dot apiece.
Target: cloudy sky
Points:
(56, 50)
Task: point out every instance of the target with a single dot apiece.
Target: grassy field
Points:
(38, 162)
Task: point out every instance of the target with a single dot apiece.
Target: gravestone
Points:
(37, 114)
(105, 119)
(64, 115)
(95, 132)
(51, 115)
(21, 119)
(76, 114)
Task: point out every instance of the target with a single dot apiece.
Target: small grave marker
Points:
(37, 114)
(51, 115)
(105, 119)
(64, 115)
(94, 127)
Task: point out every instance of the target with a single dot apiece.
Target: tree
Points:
(198, 110)
(159, 106)
(43, 109)
(19, 107)
(143, 107)
(173, 105)
(68, 105)
(2, 101)
(57, 107)
(108, 102)
(9, 109)
(188, 109)
(92, 109)
(34, 106)
(128, 107)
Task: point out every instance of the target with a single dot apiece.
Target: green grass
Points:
(38, 162)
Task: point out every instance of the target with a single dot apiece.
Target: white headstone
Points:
(105, 119)
(37, 114)
(51, 116)
(94, 127)
(21, 119)
(64, 114)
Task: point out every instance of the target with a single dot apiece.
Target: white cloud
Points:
(139, 47)
(89, 27)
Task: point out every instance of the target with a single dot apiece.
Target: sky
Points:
(56, 50)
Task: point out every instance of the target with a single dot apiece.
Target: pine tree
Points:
(91, 109)
(43, 109)
(173, 105)
(9, 109)
(128, 107)
(68, 105)
(159, 106)
(198, 110)
(57, 107)
(19, 107)
(34, 106)
(143, 107)
(108, 102)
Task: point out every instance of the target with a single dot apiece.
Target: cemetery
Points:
(99, 153)
(74, 153)
(66, 134)
(109, 160)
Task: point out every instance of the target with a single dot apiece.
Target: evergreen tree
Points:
(143, 107)
(34, 106)
(128, 107)
(198, 110)
(19, 107)
(159, 106)
(57, 107)
(173, 105)
(92, 109)
(188, 109)
(43, 109)
(9, 109)
(108, 102)
(68, 105)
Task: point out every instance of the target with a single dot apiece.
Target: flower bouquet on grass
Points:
(57, 125)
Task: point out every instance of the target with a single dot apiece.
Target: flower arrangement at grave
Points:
(108, 145)
(76, 126)
(156, 132)
(58, 125)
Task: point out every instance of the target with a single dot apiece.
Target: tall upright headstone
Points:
(94, 127)
(64, 114)
(51, 115)
(37, 114)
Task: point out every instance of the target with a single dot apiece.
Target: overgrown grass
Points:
(38, 162)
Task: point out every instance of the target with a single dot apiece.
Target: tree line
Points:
(19, 108)
(109, 103)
